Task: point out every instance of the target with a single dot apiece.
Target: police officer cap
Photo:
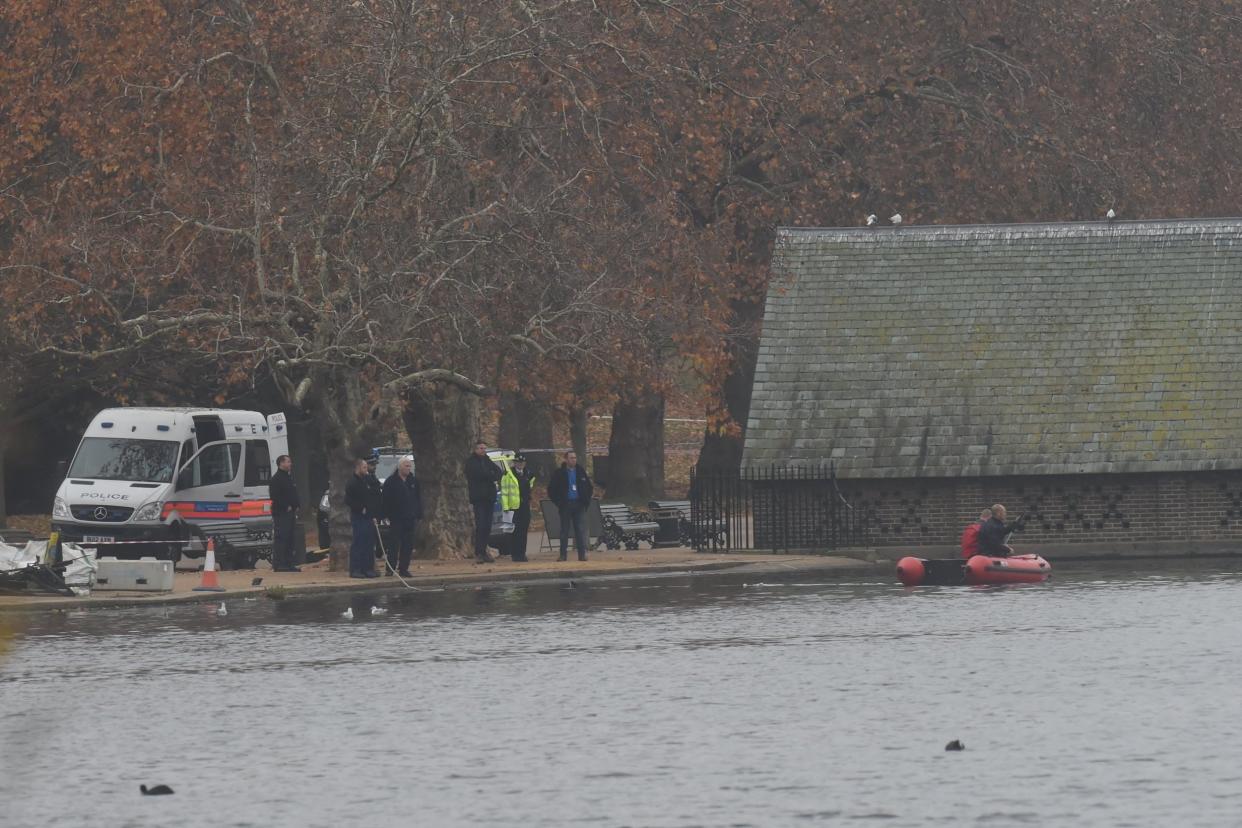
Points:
(519, 458)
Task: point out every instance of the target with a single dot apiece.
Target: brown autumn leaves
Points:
(347, 201)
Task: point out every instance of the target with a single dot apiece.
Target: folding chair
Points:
(551, 526)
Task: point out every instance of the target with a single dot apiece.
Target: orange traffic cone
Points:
(211, 578)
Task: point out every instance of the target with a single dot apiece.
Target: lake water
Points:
(1106, 697)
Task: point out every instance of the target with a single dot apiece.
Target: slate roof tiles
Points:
(1003, 349)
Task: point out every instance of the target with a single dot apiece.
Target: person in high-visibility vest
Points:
(510, 497)
(521, 515)
(507, 501)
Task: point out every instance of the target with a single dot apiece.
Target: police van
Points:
(162, 481)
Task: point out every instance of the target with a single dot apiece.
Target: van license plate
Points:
(98, 539)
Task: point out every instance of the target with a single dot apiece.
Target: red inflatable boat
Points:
(981, 569)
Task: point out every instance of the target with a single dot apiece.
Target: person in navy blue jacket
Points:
(570, 489)
(363, 496)
(994, 533)
(403, 506)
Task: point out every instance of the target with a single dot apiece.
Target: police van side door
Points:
(209, 487)
(256, 510)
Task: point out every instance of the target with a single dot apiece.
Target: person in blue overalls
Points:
(363, 505)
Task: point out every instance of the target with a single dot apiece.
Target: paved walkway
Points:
(542, 566)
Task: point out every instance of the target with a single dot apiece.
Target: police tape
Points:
(171, 542)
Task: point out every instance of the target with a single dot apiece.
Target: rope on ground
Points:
(388, 564)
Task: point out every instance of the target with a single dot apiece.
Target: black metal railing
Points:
(771, 508)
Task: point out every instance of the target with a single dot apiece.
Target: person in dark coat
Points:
(570, 489)
(376, 487)
(482, 477)
(403, 506)
(521, 515)
(363, 503)
(993, 533)
(285, 505)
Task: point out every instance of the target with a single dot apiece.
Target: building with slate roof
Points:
(1084, 373)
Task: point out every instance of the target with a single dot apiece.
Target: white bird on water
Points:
(222, 610)
(348, 614)
(871, 220)
(378, 611)
(895, 218)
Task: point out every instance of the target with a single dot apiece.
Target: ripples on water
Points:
(1106, 697)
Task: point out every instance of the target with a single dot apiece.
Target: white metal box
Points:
(145, 574)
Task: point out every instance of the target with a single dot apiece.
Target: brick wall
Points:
(1080, 509)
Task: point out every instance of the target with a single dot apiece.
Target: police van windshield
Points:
(110, 458)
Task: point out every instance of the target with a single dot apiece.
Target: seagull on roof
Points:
(895, 218)
(871, 220)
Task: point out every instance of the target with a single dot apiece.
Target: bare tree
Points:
(319, 206)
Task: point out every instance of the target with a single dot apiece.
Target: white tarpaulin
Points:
(79, 571)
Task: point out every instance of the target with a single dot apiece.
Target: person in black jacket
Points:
(363, 502)
(403, 506)
(376, 487)
(285, 505)
(570, 489)
(482, 477)
(993, 533)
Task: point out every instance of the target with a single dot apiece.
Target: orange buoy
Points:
(911, 571)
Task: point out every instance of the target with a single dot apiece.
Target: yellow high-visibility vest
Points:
(510, 493)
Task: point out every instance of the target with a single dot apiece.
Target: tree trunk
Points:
(636, 449)
(528, 425)
(301, 436)
(340, 529)
(339, 420)
(4, 438)
(443, 423)
(726, 435)
(578, 434)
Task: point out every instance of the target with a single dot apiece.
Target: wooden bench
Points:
(623, 527)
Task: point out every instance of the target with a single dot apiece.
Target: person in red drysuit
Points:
(970, 537)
